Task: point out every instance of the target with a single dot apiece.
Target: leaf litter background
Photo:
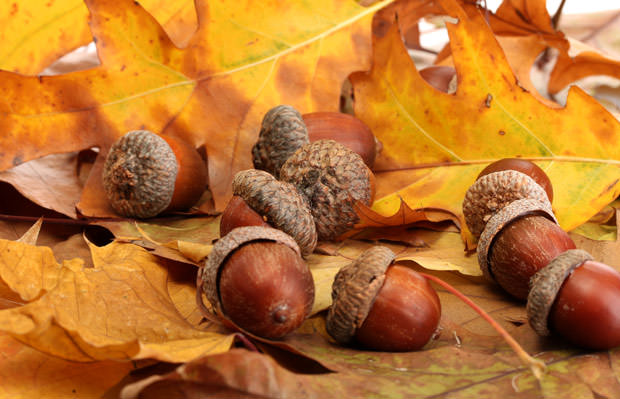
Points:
(125, 310)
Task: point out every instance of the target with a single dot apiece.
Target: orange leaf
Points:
(214, 92)
(120, 309)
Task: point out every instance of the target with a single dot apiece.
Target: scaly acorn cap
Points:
(492, 192)
(282, 132)
(280, 202)
(209, 274)
(503, 218)
(354, 290)
(332, 178)
(545, 285)
(139, 174)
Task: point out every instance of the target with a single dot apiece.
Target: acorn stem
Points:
(537, 366)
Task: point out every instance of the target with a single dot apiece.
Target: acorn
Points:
(333, 179)
(345, 129)
(145, 174)
(443, 78)
(382, 306)
(284, 130)
(577, 299)
(519, 240)
(509, 207)
(524, 166)
(260, 199)
(255, 278)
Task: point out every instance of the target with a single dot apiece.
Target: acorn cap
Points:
(492, 192)
(280, 202)
(282, 132)
(225, 246)
(332, 178)
(139, 174)
(515, 210)
(545, 285)
(354, 291)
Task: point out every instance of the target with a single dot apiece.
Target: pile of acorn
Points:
(523, 249)
(311, 171)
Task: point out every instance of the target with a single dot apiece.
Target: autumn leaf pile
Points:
(93, 305)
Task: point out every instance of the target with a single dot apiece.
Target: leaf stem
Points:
(537, 366)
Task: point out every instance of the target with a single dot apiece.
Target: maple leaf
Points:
(240, 62)
(435, 144)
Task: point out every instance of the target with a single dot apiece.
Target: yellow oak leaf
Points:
(435, 144)
(119, 309)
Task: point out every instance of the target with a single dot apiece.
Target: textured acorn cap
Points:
(545, 285)
(139, 174)
(280, 202)
(354, 291)
(209, 274)
(501, 219)
(492, 192)
(282, 132)
(332, 178)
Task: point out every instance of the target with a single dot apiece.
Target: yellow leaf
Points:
(120, 309)
(435, 144)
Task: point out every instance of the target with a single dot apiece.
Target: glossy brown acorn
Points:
(524, 166)
(382, 306)
(440, 77)
(523, 247)
(255, 277)
(266, 288)
(146, 174)
(238, 214)
(405, 314)
(577, 298)
(345, 129)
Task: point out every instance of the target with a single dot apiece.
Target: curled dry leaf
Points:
(119, 309)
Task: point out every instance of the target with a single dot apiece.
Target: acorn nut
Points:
(382, 306)
(520, 239)
(333, 179)
(524, 166)
(272, 202)
(490, 193)
(255, 277)
(345, 129)
(145, 174)
(282, 132)
(576, 298)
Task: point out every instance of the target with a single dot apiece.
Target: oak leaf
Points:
(119, 309)
(212, 92)
(435, 144)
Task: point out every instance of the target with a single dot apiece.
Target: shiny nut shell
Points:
(225, 246)
(332, 178)
(139, 174)
(282, 132)
(501, 219)
(492, 192)
(354, 291)
(545, 285)
(280, 202)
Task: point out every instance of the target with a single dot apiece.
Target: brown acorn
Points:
(256, 278)
(272, 202)
(382, 306)
(282, 132)
(577, 298)
(145, 174)
(333, 179)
